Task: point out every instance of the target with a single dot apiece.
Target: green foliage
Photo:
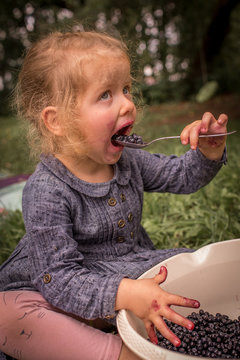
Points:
(163, 91)
(194, 220)
(210, 215)
(11, 229)
(207, 91)
(226, 67)
(168, 36)
(14, 149)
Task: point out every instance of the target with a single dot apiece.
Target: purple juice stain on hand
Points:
(152, 336)
(155, 306)
(192, 302)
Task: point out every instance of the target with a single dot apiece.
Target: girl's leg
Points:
(30, 328)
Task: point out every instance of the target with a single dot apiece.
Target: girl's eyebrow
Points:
(108, 84)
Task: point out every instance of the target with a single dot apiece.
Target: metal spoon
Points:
(145, 144)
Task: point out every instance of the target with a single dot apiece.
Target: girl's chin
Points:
(113, 156)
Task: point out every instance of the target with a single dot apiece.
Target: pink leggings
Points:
(30, 328)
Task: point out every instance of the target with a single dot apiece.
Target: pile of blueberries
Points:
(134, 138)
(213, 336)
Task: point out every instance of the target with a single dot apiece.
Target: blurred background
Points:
(186, 60)
(177, 45)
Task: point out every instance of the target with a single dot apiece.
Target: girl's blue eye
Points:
(126, 90)
(105, 95)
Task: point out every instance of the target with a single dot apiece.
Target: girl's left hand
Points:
(148, 301)
(213, 147)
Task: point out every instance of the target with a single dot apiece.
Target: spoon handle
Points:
(201, 136)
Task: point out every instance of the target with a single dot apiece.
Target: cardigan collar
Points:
(122, 174)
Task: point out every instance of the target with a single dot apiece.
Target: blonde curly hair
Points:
(52, 74)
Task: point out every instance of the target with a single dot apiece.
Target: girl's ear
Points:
(51, 120)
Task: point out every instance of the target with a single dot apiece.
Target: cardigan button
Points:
(121, 223)
(130, 217)
(132, 234)
(109, 316)
(120, 239)
(112, 201)
(122, 197)
(47, 278)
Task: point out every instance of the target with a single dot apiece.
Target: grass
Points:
(12, 230)
(210, 215)
(14, 159)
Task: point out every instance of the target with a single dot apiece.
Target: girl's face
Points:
(106, 106)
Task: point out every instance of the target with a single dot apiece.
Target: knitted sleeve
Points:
(180, 175)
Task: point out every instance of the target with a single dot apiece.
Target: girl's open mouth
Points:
(121, 132)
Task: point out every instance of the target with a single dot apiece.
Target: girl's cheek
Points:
(111, 124)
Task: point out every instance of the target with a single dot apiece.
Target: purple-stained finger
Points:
(166, 332)
(191, 302)
(152, 335)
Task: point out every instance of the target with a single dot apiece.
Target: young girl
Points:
(84, 246)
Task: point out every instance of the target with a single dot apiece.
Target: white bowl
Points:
(210, 275)
(11, 196)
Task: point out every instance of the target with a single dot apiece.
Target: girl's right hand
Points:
(147, 300)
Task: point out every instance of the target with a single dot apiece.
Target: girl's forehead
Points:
(107, 66)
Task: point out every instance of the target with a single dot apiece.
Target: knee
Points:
(10, 312)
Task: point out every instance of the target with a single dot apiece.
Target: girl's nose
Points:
(127, 106)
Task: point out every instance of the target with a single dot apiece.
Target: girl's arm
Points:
(191, 171)
(147, 300)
